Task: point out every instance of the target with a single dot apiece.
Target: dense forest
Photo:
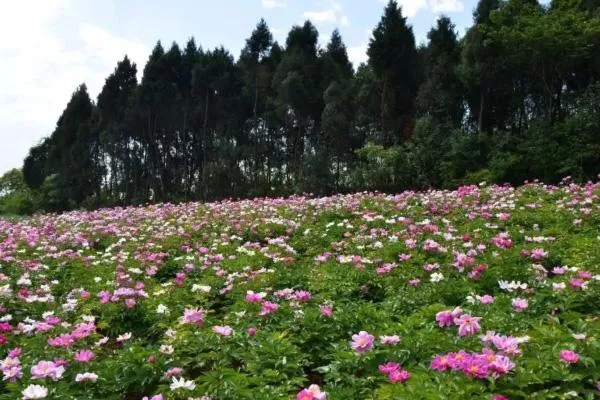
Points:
(516, 97)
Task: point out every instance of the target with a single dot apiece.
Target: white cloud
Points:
(329, 15)
(410, 8)
(40, 69)
(273, 3)
(442, 6)
(321, 16)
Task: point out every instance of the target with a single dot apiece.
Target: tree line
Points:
(517, 97)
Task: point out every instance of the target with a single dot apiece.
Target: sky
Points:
(49, 47)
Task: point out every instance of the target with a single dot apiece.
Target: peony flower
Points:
(362, 342)
(399, 376)
(34, 392)
(181, 383)
(312, 393)
(83, 356)
(519, 304)
(467, 325)
(326, 311)
(391, 340)
(222, 330)
(569, 356)
(193, 316)
(86, 377)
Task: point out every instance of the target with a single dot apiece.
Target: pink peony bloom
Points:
(487, 299)
(388, 367)
(467, 325)
(47, 369)
(391, 340)
(446, 318)
(569, 356)
(312, 393)
(268, 307)
(194, 316)
(326, 311)
(362, 342)
(251, 331)
(252, 297)
(519, 304)
(223, 330)
(399, 376)
(83, 356)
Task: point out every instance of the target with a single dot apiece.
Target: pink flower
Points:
(251, 331)
(500, 397)
(312, 393)
(399, 376)
(388, 367)
(538, 254)
(467, 325)
(391, 340)
(302, 295)
(440, 363)
(569, 356)
(155, 397)
(362, 342)
(326, 311)
(47, 369)
(194, 316)
(83, 356)
(519, 304)
(446, 318)
(222, 330)
(63, 340)
(487, 299)
(268, 307)
(414, 282)
(252, 297)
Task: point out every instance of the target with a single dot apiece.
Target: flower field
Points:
(486, 292)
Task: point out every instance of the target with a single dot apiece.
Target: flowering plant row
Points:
(478, 293)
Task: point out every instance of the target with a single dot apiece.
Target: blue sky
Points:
(48, 47)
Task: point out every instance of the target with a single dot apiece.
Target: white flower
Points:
(166, 349)
(171, 333)
(34, 392)
(162, 309)
(182, 384)
(559, 286)
(436, 277)
(579, 336)
(511, 286)
(124, 337)
(86, 377)
(200, 288)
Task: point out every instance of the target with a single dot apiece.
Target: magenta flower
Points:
(388, 367)
(467, 325)
(312, 393)
(326, 311)
(399, 376)
(362, 342)
(569, 356)
(268, 307)
(446, 318)
(252, 297)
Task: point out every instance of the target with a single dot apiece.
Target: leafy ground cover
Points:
(479, 293)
